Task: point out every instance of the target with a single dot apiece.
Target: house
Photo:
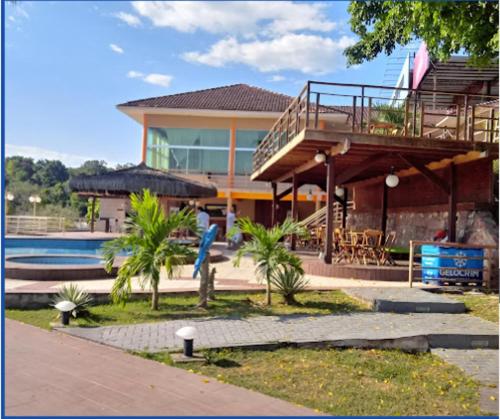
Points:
(210, 136)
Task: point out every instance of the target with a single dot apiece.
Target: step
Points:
(405, 300)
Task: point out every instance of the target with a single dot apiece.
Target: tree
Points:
(19, 168)
(148, 241)
(267, 249)
(47, 173)
(447, 27)
(90, 167)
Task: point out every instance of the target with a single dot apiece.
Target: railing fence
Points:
(25, 224)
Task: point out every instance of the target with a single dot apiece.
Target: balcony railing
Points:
(382, 110)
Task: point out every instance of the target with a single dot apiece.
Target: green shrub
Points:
(71, 292)
(288, 281)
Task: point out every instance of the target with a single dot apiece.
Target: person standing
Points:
(202, 220)
(235, 238)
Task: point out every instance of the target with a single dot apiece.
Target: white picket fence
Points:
(26, 224)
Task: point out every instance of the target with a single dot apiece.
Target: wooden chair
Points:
(384, 254)
(356, 246)
(343, 251)
(371, 245)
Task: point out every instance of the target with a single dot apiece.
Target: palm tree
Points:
(147, 240)
(267, 249)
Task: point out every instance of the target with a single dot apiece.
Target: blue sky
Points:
(68, 64)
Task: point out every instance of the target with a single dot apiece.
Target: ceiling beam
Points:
(429, 174)
(340, 148)
(356, 170)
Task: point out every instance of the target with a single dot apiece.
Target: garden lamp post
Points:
(35, 199)
(9, 197)
(188, 334)
(65, 307)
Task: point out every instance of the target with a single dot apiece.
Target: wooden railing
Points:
(382, 110)
(25, 224)
(318, 218)
(485, 270)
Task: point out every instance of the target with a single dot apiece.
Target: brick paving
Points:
(445, 330)
(52, 374)
(480, 364)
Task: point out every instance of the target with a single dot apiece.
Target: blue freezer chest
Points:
(452, 268)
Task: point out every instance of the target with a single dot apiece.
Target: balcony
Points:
(377, 128)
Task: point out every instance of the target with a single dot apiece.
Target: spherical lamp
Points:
(339, 191)
(392, 180)
(320, 157)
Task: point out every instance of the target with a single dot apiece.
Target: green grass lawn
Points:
(174, 307)
(346, 382)
(484, 306)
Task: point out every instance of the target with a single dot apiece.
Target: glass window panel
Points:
(249, 138)
(243, 162)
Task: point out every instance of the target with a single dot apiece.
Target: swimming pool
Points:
(55, 246)
(56, 260)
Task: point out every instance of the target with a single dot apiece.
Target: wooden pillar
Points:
(344, 208)
(231, 163)
(383, 219)
(92, 215)
(274, 208)
(330, 202)
(144, 138)
(452, 205)
(295, 209)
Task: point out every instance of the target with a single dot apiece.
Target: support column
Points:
(144, 137)
(92, 215)
(383, 220)
(344, 208)
(231, 163)
(295, 209)
(330, 202)
(274, 208)
(452, 205)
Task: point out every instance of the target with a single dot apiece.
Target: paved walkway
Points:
(480, 364)
(438, 330)
(51, 374)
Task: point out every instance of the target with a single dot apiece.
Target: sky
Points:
(68, 64)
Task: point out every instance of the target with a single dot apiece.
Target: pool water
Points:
(44, 246)
(57, 260)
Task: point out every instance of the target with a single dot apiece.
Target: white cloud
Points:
(134, 74)
(277, 77)
(163, 80)
(116, 48)
(309, 54)
(157, 79)
(244, 18)
(129, 19)
(36, 153)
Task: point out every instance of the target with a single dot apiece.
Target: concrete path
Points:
(480, 364)
(405, 300)
(51, 374)
(413, 331)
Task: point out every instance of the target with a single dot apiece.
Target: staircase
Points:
(318, 218)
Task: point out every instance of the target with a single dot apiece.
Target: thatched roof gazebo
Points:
(134, 179)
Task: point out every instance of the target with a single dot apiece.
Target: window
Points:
(246, 143)
(188, 150)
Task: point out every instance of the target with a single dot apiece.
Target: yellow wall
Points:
(178, 121)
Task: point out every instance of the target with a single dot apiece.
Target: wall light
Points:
(320, 157)
(392, 180)
(339, 191)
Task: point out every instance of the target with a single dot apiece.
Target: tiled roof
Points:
(237, 97)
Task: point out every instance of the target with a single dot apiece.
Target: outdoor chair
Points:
(343, 246)
(371, 246)
(384, 255)
(356, 246)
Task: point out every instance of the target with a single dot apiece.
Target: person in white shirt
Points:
(202, 220)
(230, 221)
